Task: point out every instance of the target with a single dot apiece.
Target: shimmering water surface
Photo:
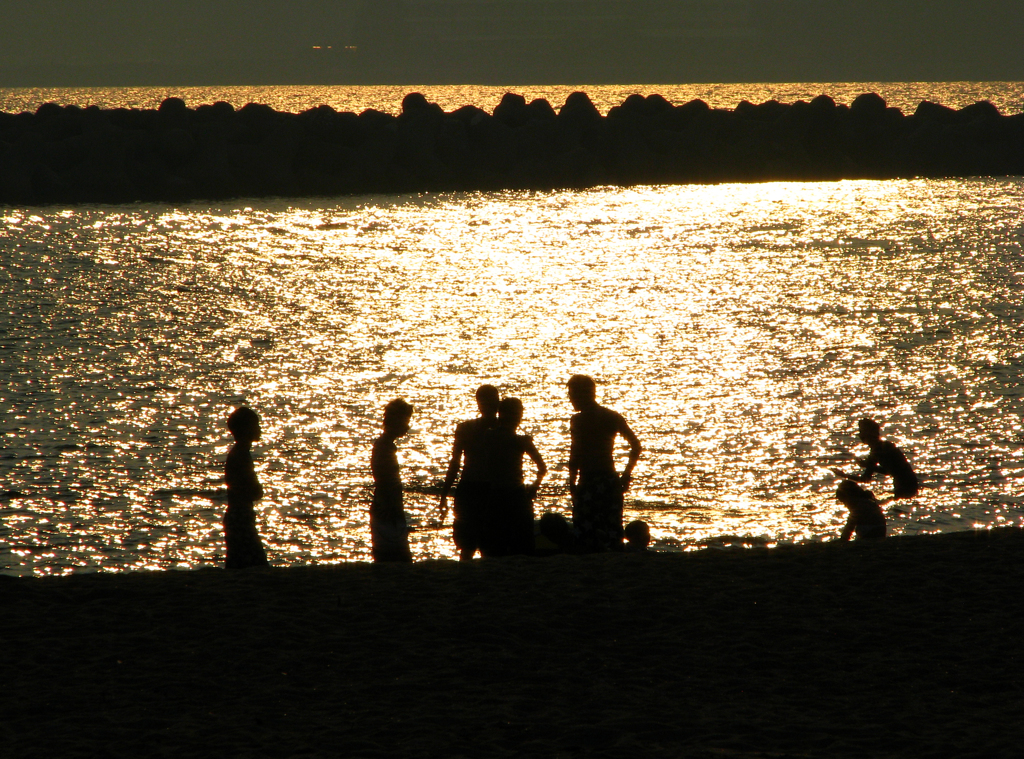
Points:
(741, 329)
(1007, 96)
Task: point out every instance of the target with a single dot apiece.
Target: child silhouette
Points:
(244, 547)
(388, 530)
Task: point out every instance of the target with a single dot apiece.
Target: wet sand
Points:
(910, 647)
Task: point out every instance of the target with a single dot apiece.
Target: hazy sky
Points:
(169, 42)
(108, 31)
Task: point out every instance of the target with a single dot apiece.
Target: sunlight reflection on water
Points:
(741, 329)
(1007, 96)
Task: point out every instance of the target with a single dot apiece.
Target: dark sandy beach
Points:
(909, 647)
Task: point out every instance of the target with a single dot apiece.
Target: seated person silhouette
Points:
(243, 545)
(884, 458)
(471, 491)
(506, 523)
(388, 530)
(638, 536)
(595, 486)
(866, 520)
(552, 534)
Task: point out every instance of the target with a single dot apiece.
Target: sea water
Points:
(1008, 97)
(741, 330)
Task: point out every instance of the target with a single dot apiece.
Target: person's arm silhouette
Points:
(535, 457)
(634, 454)
(449, 480)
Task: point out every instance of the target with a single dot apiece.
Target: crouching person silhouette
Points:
(866, 520)
(884, 458)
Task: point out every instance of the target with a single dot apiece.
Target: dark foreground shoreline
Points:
(908, 647)
(70, 155)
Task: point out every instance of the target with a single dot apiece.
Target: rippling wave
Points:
(741, 329)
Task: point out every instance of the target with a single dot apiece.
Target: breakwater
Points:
(174, 153)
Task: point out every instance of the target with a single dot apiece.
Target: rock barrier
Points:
(68, 155)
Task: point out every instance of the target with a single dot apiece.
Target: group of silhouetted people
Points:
(866, 521)
(493, 504)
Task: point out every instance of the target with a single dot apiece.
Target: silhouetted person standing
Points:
(594, 484)
(866, 520)
(884, 458)
(506, 525)
(243, 545)
(472, 491)
(388, 529)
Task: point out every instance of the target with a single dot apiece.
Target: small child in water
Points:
(244, 547)
(866, 519)
(388, 530)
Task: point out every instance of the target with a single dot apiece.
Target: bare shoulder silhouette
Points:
(884, 458)
(595, 485)
(468, 468)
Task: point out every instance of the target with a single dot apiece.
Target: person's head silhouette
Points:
(556, 528)
(487, 400)
(582, 391)
(637, 534)
(510, 413)
(852, 495)
(244, 424)
(397, 415)
(869, 431)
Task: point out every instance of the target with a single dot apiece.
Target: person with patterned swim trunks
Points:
(595, 486)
